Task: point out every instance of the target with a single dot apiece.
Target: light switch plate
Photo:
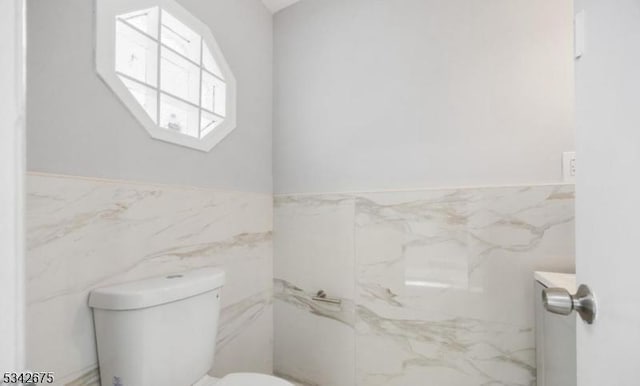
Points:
(569, 166)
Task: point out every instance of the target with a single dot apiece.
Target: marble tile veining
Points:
(298, 298)
(435, 284)
(442, 281)
(90, 377)
(312, 337)
(314, 243)
(84, 233)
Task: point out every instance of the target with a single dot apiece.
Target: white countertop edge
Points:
(557, 280)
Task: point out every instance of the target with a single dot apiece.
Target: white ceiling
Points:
(276, 5)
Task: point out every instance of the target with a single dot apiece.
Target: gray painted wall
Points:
(381, 94)
(77, 126)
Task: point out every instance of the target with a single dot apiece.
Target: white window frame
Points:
(106, 13)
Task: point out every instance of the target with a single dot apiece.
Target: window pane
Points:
(209, 63)
(178, 116)
(146, 96)
(213, 94)
(179, 37)
(208, 123)
(179, 76)
(136, 54)
(146, 20)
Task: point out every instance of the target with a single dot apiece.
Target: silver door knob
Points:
(560, 301)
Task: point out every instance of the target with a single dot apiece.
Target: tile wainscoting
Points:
(85, 233)
(436, 284)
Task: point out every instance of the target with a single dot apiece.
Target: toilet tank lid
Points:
(156, 291)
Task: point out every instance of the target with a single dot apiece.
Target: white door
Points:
(11, 172)
(608, 191)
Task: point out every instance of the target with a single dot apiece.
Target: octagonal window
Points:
(167, 68)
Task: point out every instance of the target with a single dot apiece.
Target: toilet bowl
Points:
(243, 379)
(162, 332)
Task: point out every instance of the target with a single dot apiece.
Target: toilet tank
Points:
(159, 331)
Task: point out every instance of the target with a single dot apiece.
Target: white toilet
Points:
(162, 332)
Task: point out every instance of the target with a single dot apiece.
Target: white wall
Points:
(11, 170)
(77, 126)
(374, 94)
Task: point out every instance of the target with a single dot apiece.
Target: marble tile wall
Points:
(84, 233)
(436, 284)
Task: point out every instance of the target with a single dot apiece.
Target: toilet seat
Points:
(244, 379)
